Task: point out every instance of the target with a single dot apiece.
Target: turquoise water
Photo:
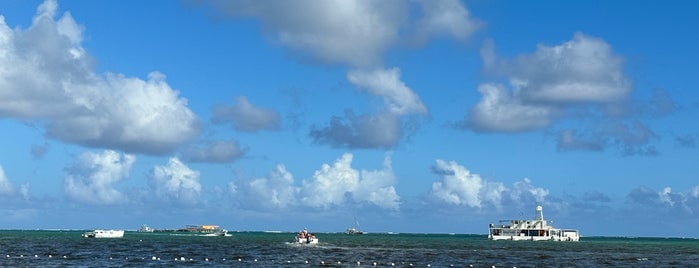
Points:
(259, 249)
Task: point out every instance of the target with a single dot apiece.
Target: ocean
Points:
(31, 248)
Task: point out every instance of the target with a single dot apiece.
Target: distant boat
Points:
(104, 234)
(534, 230)
(304, 237)
(145, 229)
(219, 232)
(354, 229)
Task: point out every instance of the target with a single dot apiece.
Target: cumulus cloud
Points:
(386, 83)
(244, 116)
(580, 78)
(176, 182)
(276, 191)
(92, 177)
(364, 131)
(332, 186)
(500, 111)
(448, 18)
(327, 32)
(582, 71)
(46, 75)
(5, 185)
(336, 184)
(215, 152)
(460, 187)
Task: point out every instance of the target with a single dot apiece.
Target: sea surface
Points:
(266, 249)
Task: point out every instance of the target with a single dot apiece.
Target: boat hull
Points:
(104, 234)
(306, 240)
(533, 238)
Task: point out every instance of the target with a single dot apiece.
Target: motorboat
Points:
(304, 237)
(104, 234)
(537, 229)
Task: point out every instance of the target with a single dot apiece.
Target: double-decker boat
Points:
(534, 230)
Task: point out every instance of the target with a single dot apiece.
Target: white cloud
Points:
(446, 17)
(458, 186)
(276, 191)
(500, 111)
(91, 179)
(579, 79)
(5, 185)
(376, 186)
(583, 69)
(46, 75)
(399, 98)
(330, 184)
(338, 184)
(214, 152)
(356, 34)
(246, 117)
(176, 182)
(328, 30)
(548, 82)
(665, 196)
(524, 192)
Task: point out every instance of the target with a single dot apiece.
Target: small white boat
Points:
(304, 237)
(145, 229)
(104, 234)
(354, 229)
(534, 230)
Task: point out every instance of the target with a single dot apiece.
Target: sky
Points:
(410, 116)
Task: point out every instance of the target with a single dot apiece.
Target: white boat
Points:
(354, 229)
(304, 237)
(145, 229)
(104, 234)
(534, 230)
(219, 232)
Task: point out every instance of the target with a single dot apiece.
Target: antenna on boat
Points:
(539, 213)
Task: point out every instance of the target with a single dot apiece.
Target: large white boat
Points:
(534, 230)
(304, 237)
(104, 234)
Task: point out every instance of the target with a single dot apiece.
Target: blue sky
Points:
(413, 116)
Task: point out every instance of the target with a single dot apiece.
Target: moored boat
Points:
(537, 229)
(104, 234)
(304, 237)
(145, 229)
(354, 229)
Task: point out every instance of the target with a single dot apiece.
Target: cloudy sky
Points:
(412, 116)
